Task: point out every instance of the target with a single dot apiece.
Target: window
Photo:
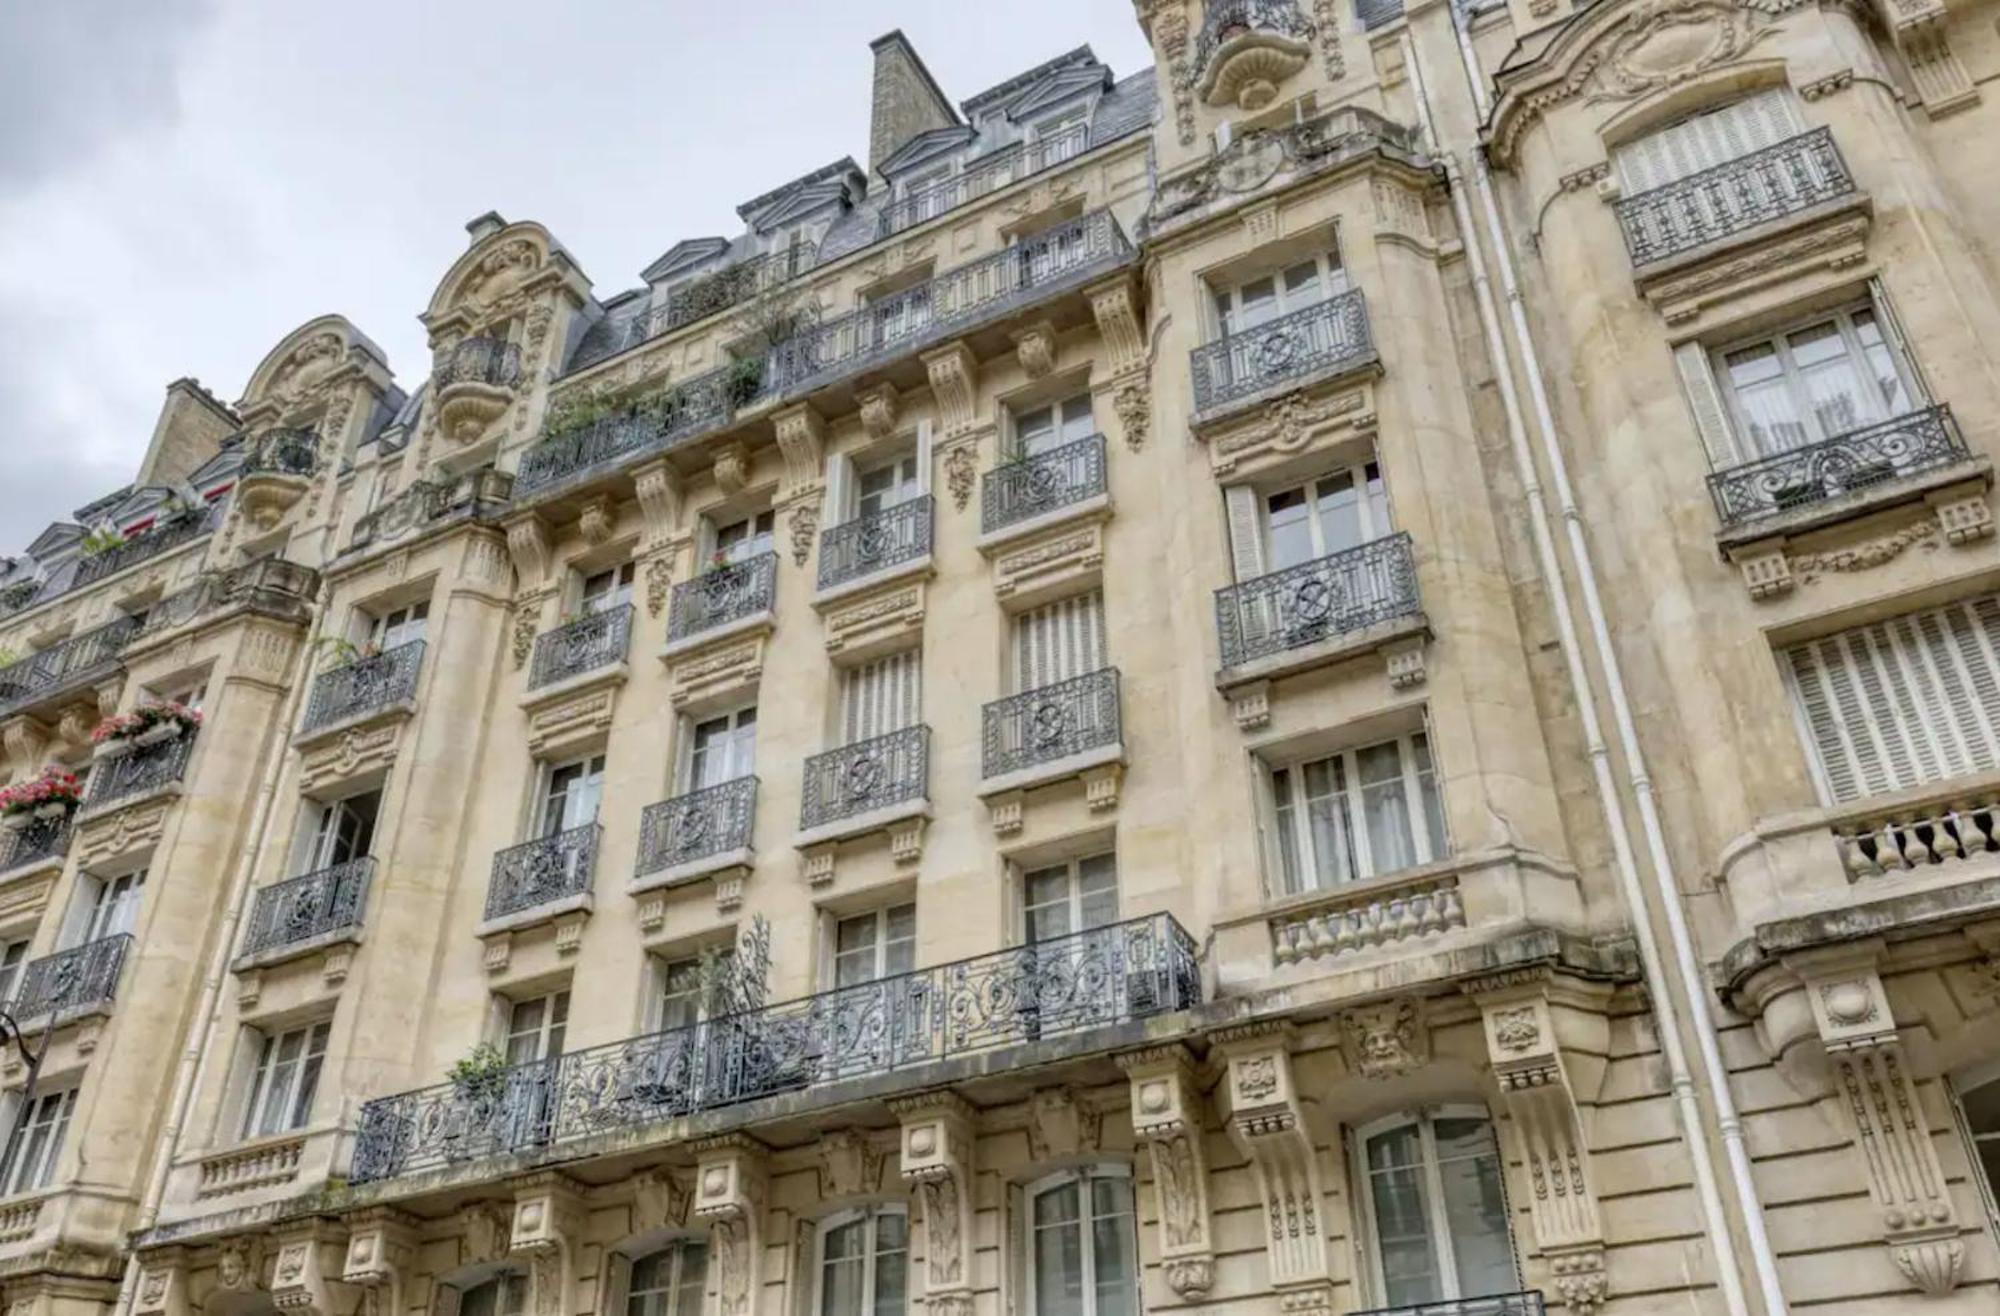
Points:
(668, 1282)
(900, 315)
(1046, 428)
(722, 748)
(1343, 509)
(38, 1142)
(1902, 702)
(503, 1295)
(571, 794)
(1358, 813)
(398, 627)
(685, 998)
(1262, 300)
(870, 947)
(339, 831)
(864, 1263)
(13, 955)
(1061, 137)
(1436, 1209)
(1976, 1103)
(103, 907)
(1084, 1244)
(1069, 897)
(890, 485)
(188, 696)
(739, 541)
(535, 1028)
(1708, 138)
(1812, 383)
(286, 1077)
(608, 591)
(1059, 641)
(880, 697)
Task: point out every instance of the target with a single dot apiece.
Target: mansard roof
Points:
(840, 181)
(1058, 79)
(926, 146)
(684, 255)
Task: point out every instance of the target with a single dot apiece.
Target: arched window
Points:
(1083, 1248)
(1437, 1212)
(864, 1263)
(503, 1295)
(668, 1282)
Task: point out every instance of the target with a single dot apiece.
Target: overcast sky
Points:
(183, 182)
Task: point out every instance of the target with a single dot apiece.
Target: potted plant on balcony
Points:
(481, 1074)
(52, 796)
(100, 539)
(744, 380)
(154, 722)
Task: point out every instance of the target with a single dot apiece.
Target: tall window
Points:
(1436, 1209)
(1358, 813)
(104, 907)
(1060, 137)
(571, 793)
(535, 1028)
(883, 696)
(1259, 301)
(685, 998)
(503, 1295)
(753, 536)
(1053, 426)
(1075, 896)
(891, 484)
(398, 627)
(339, 831)
(864, 1263)
(13, 955)
(1084, 1253)
(608, 591)
(1059, 641)
(1341, 510)
(668, 1282)
(876, 945)
(38, 1142)
(285, 1079)
(1814, 382)
(722, 748)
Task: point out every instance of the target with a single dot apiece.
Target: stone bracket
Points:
(1115, 306)
(381, 1245)
(801, 435)
(954, 376)
(937, 1163)
(303, 1278)
(547, 1230)
(1167, 1119)
(1267, 1122)
(163, 1284)
(730, 1177)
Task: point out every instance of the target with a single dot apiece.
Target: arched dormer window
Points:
(1082, 1244)
(1436, 1207)
(668, 1281)
(862, 1262)
(506, 1294)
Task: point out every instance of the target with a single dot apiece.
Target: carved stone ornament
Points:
(1167, 1118)
(1061, 1126)
(804, 526)
(239, 1263)
(163, 1285)
(849, 1165)
(486, 1230)
(1267, 1123)
(302, 1276)
(1385, 1041)
(1134, 406)
(594, 521)
(730, 1178)
(937, 1164)
(1035, 347)
(961, 473)
(954, 376)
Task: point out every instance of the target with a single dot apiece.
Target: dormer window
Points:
(1062, 136)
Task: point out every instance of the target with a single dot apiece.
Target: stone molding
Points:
(381, 1247)
(547, 1231)
(1267, 1122)
(730, 1177)
(937, 1163)
(1167, 1120)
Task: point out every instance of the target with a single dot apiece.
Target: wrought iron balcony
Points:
(37, 841)
(1908, 445)
(314, 905)
(698, 825)
(366, 685)
(1690, 212)
(1323, 338)
(868, 544)
(1024, 489)
(282, 452)
(542, 871)
(491, 361)
(66, 665)
(1497, 1304)
(1332, 596)
(1054, 722)
(1228, 19)
(1066, 988)
(597, 639)
(865, 776)
(722, 595)
(144, 769)
(421, 503)
(144, 546)
(710, 294)
(694, 406)
(19, 595)
(71, 980)
(989, 173)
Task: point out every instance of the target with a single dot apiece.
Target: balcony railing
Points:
(366, 685)
(71, 980)
(1064, 988)
(313, 905)
(144, 769)
(492, 361)
(1042, 483)
(480, 492)
(1334, 595)
(722, 595)
(702, 297)
(1228, 19)
(283, 452)
(143, 547)
(597, 639)
(695, 405)
(1331, 335)
(1055, 722)
(989, 173)
(698, 825)
(37, 841)
(869, 544)
(1780, 180)
(1497, 1304)
(1921, 441)
(76, 661)
(865, 776)
(542, 871)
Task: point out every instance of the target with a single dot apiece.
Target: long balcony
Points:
(141, 771)
(588, 644)
(68, 665)
(1052, 724)
(309, 909)
(365, 686)
(1496, 1304)
(144, 546)
(723, 596)
(1850, 463)
(1032, 487)
(700, 827)
(1335, 595)
(988, 174)
(1320, 341)
(710, 294)
(1063, 989)
(869, 775)
(696, 405)
(39, 841)
(72, 981)
(857, 549)
(1793, 176)
(542, 872)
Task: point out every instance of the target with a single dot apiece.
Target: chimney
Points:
(191, 428)
(485, 226)
(907, 99)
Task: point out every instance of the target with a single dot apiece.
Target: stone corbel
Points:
(528, 545)
(660, 1200)
(163, 1284)
(27, 740)
(659, 490)
(731, 469)
(547, 1232)
(381, 1244)
(1116, 307)
(1268, 1125)
(239, 1264)
(937, 1164)
(880, 406)
(1035, 348)
(1167, 1118)
(730, 1175)
(1133, 405)
(1387, 1040)
(801, 437)
(303, 1278)
(954, 376)
(1920, 29)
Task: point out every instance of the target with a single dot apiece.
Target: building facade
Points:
(1356, 672)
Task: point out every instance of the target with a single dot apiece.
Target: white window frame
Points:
(872, 1214)
(665, 970)
(320, 834)
(606, 590)
(1044, 428)
(548, 823)
(1376, 518)
(13, 959)
(678, 1249)
(103, 907)
(1073, 896)
(759, 535)
(397, 626)
(1355, 817)
(47, 1112)
(739, 745)
(549, 1035)
(1082, 1177)
(299, 1088)
(510, 1295)
(905, 484)
(1741, 427)
(1225, 301)
(881, 967)
(1441, 1237)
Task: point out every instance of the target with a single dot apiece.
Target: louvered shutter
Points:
(1705, 140)
(883, 696)
(1704, 398)
(1246, 533)
(1911, 700)
(839, 486)
(1058, 642)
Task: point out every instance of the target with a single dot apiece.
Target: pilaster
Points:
(547, 1232)
(937, 1163)
(381, 1245)
(1167, 1119)
(1267, 1123)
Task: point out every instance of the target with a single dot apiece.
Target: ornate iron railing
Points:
(1796, 174)
(595, 640)
(868, 544)
(1326, 336)
(283, 452)
(34, 842)
(1496, 1304)
(312, 905)
(695, 405)
(1054, 722)
(1041, 483)
(1060, 989)
(702, 297)
(989, 173)
(269, 583)
(74, 979)
(143, 546)
(19, 595)
(364, 686)
(711, 821)
(1316, 600)
(1229, 19)
(142, 769)
(493, 361)
(541, 871)
(480, 492)
(723, 594)
(1921, 441)
(76, 661)
(869, 774)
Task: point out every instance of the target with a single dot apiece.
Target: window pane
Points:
(1402, 1225)
(1386, 808)
(1097, 879)
(892, 1263)
(841, 1274)
(1832, 380)
(1058, 1253)
(1474, 1207)
(694, 1278)
(1340, 513)
(1291, 532)
(1291, 865)
(1113, 1248)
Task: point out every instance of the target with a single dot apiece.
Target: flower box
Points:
(152, 723)
(53, 795)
